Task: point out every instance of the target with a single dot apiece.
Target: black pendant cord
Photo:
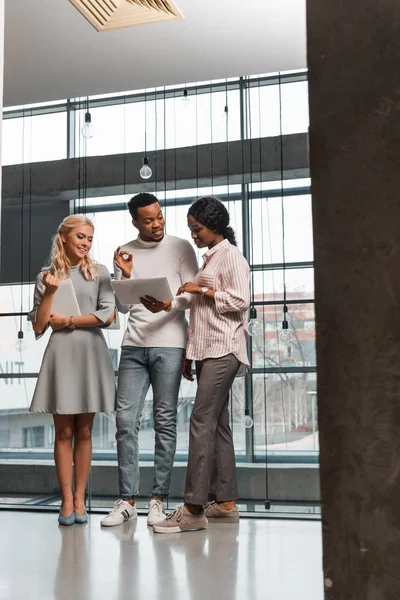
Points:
(30, 214)
(175, 159)
(264, 329)
(253, 310)
(165, 158)
(226, 109)
(124, 167)
(197, 147)
(250, 187)
(285, 324)
(80, 151)
(20, 332)
(84, 165)
(145, 123)
(155, 143)
(226, 112)
(211, 142)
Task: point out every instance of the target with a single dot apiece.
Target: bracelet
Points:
(168, 308)
(71, 323)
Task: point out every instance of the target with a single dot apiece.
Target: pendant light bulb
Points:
(255, 327)
(247, 420)
(185, 97)
(285, 335)
(145, 172)
(88, 130)
(20, 344)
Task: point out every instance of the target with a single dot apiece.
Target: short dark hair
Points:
(142, 199)
(210, 212)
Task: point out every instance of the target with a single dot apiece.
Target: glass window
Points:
(285, 414)
(269, 284)
(296, 349)
(284, 403)
(265, 112)
(266, 218)
(158, 125)
(34, 139)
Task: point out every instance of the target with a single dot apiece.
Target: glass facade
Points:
(273, 222)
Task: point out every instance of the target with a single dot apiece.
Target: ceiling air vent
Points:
(116, 14)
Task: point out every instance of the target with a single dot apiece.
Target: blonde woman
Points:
(76, 379)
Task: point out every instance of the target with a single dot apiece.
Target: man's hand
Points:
(51, 283)
(153, 305)
(58, 322)
(189, 288)
(187, 369)
(124, 261)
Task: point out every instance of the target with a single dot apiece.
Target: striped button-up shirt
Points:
(219, 326)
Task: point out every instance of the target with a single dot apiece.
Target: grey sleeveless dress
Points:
(77, 375)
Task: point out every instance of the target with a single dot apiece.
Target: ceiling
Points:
(52, 52)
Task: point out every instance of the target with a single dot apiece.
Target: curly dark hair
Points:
(138, 201)
(210, 212)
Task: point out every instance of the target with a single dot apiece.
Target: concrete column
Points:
(354, 75)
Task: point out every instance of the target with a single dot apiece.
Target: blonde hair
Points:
(60, 264)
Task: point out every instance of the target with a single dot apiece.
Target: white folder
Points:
(129, 291)
(65, 302)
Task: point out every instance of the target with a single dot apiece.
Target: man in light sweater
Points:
(152, 354)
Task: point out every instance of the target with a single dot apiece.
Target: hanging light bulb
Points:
(88, 130)
(285, 336)
(255, 327)
(145, 172)
(185, 97)
(247, 420)
(20, 344)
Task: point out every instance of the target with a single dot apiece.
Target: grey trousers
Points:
(211, 469)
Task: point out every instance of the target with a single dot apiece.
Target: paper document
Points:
(65, 302)
(128, 291)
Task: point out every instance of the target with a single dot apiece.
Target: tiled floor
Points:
(257, 559)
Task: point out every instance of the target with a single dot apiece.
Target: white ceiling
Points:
(52, 52)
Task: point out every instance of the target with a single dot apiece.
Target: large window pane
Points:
(159, 125)
(269, 284)
(285, 414)
(265, 111)
(267, 234)
(34, 139)
(296, 349)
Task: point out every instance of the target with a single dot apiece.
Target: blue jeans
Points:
(138, 369)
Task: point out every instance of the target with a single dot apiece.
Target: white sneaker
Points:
(121, 512)
(156, 512)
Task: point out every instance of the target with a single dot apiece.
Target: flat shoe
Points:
(81, 518)
(63, 520)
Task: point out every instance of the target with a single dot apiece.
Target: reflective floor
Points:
(257, 559)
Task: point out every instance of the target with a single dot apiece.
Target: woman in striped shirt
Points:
(218, 344)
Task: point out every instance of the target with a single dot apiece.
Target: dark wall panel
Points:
(26, 242)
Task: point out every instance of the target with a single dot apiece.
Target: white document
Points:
(65, 302)
(128, 291)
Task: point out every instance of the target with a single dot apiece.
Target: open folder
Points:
(129, 291)
(64, 301)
